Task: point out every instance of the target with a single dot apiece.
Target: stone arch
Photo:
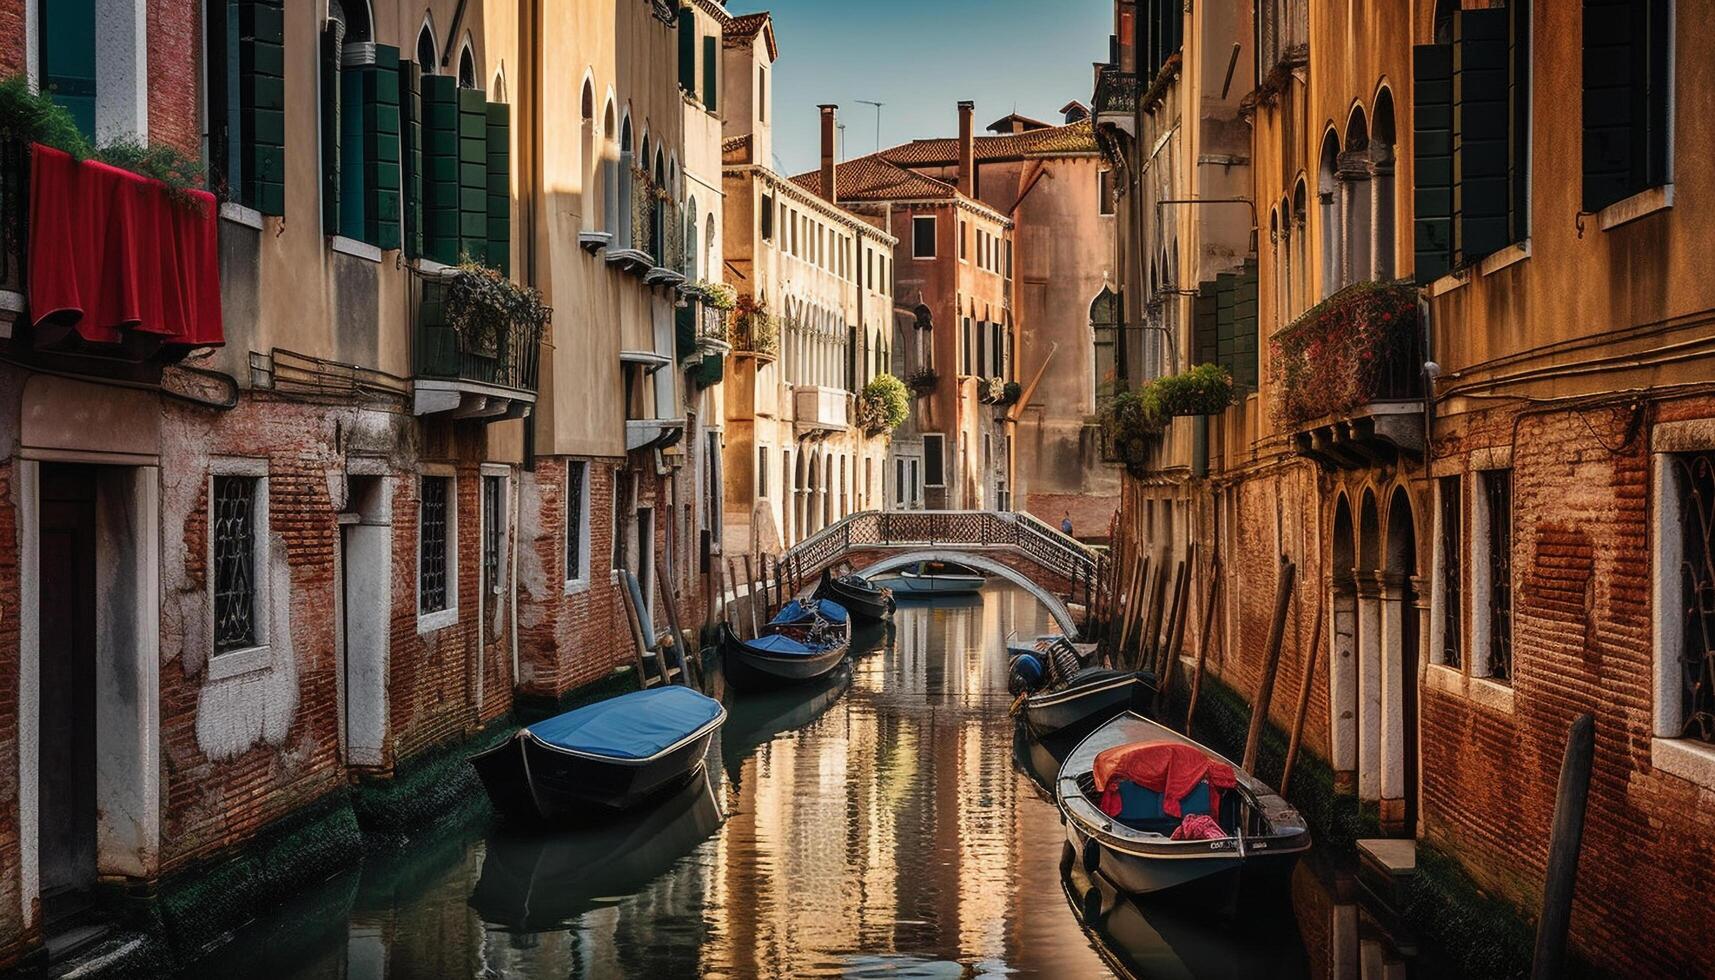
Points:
(467, 63)
(1383, 137)
(1327, 196)
(1401, 650)
(1368, 642)
(1369, 533)
(1054, 604)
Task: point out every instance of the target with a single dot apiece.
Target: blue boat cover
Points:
(631, 726)
(799, 610)
(783, 646)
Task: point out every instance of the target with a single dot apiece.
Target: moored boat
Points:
(930, 579)
(602, 758)
(1155, 813)
(866, 603)
(1061, 691)
(805, 640)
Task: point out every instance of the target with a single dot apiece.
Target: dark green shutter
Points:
(1518, 135)
(1226, 320)
(1206, 335)
(332, 40)
(411, 154)
(68, 58)
(500, 186)
(685, 331)
(262, 106)
(1244, 366)
(1615, 77)
(711, 74)
(1482, 147)
(381, 170)
(440, 168)
(473, 174)
(688, 50)
(1432, 159)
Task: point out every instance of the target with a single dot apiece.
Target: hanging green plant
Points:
(1206, 389)
(1013, 392)
(483, 306)
(1132, 423)
(883, 405)
(922, 381)
(754, 329)
(717, 295)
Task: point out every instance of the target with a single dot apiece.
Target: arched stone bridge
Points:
(1058, 570)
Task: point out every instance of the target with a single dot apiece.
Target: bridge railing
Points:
(1043, 544)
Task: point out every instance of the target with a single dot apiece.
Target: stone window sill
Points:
(431, 622)
(577, 585)
(1478, 690)
(238, 214)
(1448, 283)
(355, 248)
(1637, 206)
(1511, 255)
(236, 663)
(1682, 757)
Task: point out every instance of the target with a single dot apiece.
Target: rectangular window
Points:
(711, 73)
(899, 483)
(1685, 690)
(923, 236)
(234, 532)
(1451, 648)
(245, 111)
(964, 242)
(434, 544)
(762, 471)
(767, 218)
(493, 530)
(1495, 516)
(577, 521)
(965, 347)
(934, 459)
(714, 481)
(761, 94)
(1105, 191)
(688, 50)
(1628, 91)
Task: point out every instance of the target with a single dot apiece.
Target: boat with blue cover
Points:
(805, 640)
(931, 580)
(867, 603)
(603, 757)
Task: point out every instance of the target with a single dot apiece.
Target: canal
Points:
(885, 822)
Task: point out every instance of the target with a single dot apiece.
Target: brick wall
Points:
(12, 52)
(175, 67)
(13, 939)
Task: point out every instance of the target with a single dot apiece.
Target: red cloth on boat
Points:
(1172, 769)
(119, 258)
(1199, 826)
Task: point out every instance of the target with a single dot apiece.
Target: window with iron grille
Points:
(492, 521)
(432, 544)
(577, 520)
(234, 532)
(1498, 494)
(1451, 569)
(1694, 482)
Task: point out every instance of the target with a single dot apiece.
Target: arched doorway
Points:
(1401, 618)
(1343, 663)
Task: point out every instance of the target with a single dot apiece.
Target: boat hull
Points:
(530, 780)
(750, 669)
(865, 605)
(1083, 705)
(929, 586)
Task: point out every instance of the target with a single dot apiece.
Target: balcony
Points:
(1348, 377)
(816, 407)
(1115, 100)
(474, 359)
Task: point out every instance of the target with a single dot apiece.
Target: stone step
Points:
(1384, 866)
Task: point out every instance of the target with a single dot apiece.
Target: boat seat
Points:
(1140, 807)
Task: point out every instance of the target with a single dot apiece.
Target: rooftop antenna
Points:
(842, 128)
(878, 106)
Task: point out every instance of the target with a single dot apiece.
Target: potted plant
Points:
(922, 381)
(883, 405)
(1132, 423)
(1206, 389)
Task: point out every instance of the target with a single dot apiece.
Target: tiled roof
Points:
(873, 179)
(735, 142)
(743, 29)
(1006, 123)
(1078, 137)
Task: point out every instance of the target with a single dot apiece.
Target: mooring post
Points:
(1158, 660)
(756, 618)
(1564, 843)
(1176, 637)
(1151, 638)
(737, 617)
(1203, 639)
(1271, 666)
(1304, 690)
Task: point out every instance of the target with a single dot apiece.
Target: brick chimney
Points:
(967, 151)
(830, 152)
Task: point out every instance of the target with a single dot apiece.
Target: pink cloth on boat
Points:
(1199, 826)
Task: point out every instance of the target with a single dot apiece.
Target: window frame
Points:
(940, 443)
(1480, 655)
(448, 615)
(1448, 568)
(1672, 751)
(932, 222)
(259, 653)
(499, 521)
(578, 579)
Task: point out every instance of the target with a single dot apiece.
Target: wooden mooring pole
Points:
(750, 589)
(1204, 639)
(1564, 843)
(1304, 691)
(1271, 666)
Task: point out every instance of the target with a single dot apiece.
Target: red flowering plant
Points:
(1349, 350)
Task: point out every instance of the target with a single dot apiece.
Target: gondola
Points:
(930, 579)
(602, 758)
(1059, 692)
(1240, 838)
(867, 604)
(805, 640)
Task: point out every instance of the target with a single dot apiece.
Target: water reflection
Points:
(873, 824)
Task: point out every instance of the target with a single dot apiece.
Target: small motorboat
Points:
(1155, 813)
(929, 579)
(867, 603)
(601, 758)
(1050, 642)
(1059, 691)
(805, 640)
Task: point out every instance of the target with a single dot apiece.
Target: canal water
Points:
(883, 823)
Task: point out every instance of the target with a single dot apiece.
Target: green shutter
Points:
(381, 171)
(411, 154)
(68, 60)
(473, 174)
(685, 331)
(688, 50)
(1615, 75)
(440, 168)
(1244, 366)
(1226, 320)
(332, 40)
(711, 74)
(261, 94)
(1432, 159)
(500, 186)
(352, 198)
(1205, 336)
(1482, 147)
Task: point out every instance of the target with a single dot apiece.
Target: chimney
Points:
(829, 152)
(967, 151)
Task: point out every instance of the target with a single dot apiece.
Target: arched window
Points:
(1327, 213)
(1298, 282)
(1104, 326)
(1277, 245)
(354, 16)
(709, 261)
(619, 209)
(691, 239)
(1382, 141)
(467, 67)
(427, 60)
(1356, 246)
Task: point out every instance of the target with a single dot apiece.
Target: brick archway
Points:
(1055, 605)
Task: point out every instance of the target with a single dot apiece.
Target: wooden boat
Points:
(866, 603)
(805, 640)
(601, 758)
(929, 579)
(1134, 850)
(1062, 692)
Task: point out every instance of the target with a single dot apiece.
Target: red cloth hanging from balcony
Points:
(119, 258)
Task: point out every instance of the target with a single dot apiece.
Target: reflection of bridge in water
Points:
(1057, 570)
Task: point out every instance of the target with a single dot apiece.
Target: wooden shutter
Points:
(440, 168)
(711, 74)
(1244, 366)
(1205, 330)
(1226, 320)
(262, 106)
(1432, 159)
(333, 38)
(500, 186)
(381, 170)
(1616, 74)
(473, 174)
(688, 50)
(411, 155)
(1482, 147)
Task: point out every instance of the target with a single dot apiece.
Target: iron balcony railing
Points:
(506, 357)
(1360, 346)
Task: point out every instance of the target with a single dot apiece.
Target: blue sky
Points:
(921, 57)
